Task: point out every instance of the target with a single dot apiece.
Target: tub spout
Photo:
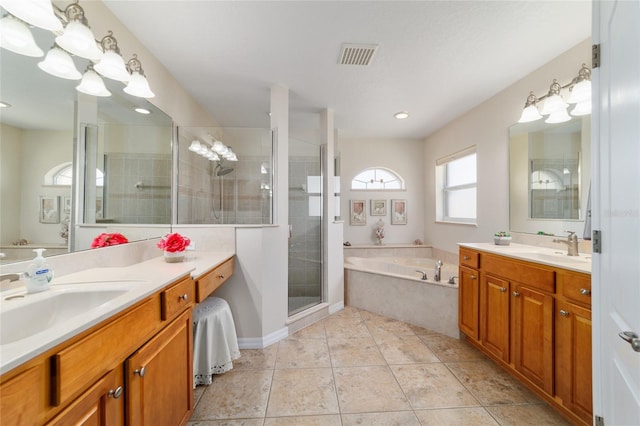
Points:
(424, 274)
(438, 271)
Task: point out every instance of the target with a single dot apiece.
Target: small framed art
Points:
(49, 209)
(358, 214)
(398, 212)
(378, 207)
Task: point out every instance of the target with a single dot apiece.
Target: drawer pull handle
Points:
(221, 276)
(503, 289)
(466, 257)
(140, 372)
(564, 313)
(516, 294)
(115, 393)
(473, 277)
(184, 296)
(585, 292)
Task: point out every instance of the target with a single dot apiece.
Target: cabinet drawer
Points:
(92, 357)
(522, 272)
(576, 287)
(469, 258)
(176, 298)
(213, 279)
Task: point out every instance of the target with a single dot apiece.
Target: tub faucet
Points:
(424, 274)
(452, 280)
(436, 276)
(571, 242)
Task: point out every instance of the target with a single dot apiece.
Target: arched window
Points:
(377, 178)
(62, 175)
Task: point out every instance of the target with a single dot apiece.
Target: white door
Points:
(616, 211)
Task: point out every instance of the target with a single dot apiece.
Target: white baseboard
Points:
(263, 342)
(336, 307)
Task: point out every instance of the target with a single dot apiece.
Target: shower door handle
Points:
(290, 232)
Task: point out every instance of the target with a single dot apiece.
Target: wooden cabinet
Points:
(534, 320)
(100, 405)
(469, 299)
(22, 398)
(160, 377)
(210, 281)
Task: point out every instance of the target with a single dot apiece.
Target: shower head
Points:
(221, 170)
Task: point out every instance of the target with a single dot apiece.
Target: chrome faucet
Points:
(424, 274)
(16, 276)
(437, 274)
(571, 242)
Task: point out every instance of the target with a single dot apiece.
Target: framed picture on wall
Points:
(49, 209)
(358, 216)
(66, 204)
(398, 212)
(378, 207)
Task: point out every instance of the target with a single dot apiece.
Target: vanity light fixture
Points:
(38, 13)
(401, 115)
(77, 38)
(554, 106)
(138, 84)
(16, 37)
(59, 64)
(92, 84)
(112, 65)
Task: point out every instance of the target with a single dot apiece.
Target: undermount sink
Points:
(563, 258)
(23, 315)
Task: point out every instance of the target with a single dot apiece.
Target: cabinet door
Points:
(101, 405)
(533, 343)
(469, 299)
(22, 399)
(160, 377)
(494, 314)
(573, 359)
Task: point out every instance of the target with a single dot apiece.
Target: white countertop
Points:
(144, 279)
(546, 256)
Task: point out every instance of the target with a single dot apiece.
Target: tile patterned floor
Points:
(359, 368)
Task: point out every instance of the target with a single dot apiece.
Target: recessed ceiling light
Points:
(401, 115)
(142, 110)
(5, 105)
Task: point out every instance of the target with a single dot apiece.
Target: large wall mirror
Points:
(549, 176)
(125, 158)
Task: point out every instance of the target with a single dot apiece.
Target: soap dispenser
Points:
(39, 273)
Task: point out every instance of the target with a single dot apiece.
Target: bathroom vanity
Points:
(130, 362)
(529, 309)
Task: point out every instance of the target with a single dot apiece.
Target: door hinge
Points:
(596, 241)
(599, 421)
(595, 56)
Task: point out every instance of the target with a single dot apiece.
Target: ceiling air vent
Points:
(357, 54)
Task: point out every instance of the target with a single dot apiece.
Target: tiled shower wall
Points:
(137, 188)
(305, 268)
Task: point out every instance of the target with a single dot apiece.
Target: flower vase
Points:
(173, 257)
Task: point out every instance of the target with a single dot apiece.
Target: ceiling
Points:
(435, 59)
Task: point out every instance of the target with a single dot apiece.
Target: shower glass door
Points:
(305, 224)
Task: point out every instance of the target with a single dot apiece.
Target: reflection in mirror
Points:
(37, 160)
(222, 191)
(549, 174)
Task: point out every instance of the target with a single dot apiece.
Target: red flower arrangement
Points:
(105, 240)
(174, 243)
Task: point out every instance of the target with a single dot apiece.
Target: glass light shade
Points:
(38, 13)
(529, 114)
(581, 92)
(58, 63)
(558, 116)
(92, 84)
(195, 146)
(112, 66)
(582, 108)
(139, 86)
(78, 39)
(553, 104)
(219, 147)
(212, 156)
(16, 37)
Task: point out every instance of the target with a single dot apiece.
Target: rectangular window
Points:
(456, 181)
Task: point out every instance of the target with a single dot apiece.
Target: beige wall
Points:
(487, 126)
(10, 154)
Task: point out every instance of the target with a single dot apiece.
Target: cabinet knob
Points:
(115, 393)
(466, 257)
(516, 294)
(503, 289)
(221, 276)
(564, 313)
(473, 277)
(184, 296)
(140, 372)
(585, 292)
